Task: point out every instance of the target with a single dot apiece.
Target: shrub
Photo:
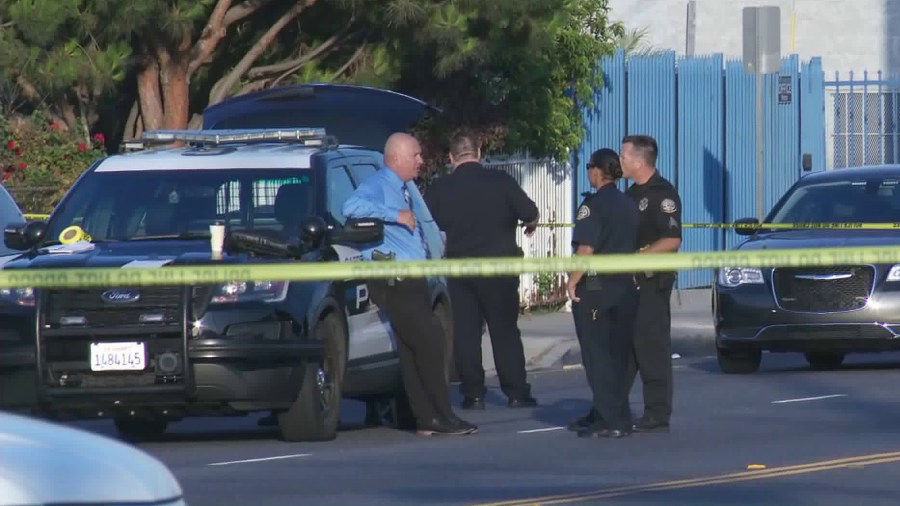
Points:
(40, 159)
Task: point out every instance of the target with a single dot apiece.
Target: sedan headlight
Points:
(894, 273)
(250, 291)
(736, 276)
(18, 296)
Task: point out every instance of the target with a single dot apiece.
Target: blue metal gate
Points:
(701, 110)
(864, 126)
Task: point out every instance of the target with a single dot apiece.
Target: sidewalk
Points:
(550, 342)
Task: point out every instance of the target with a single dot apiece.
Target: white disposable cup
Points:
(217, 237)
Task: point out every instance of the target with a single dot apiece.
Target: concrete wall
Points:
(849, 35)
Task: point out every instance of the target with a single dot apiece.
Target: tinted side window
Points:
(340, 186)
(362, 170)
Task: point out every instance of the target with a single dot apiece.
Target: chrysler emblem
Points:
(120, 296)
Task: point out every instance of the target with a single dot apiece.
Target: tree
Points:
(632, 42)
(514, 70)
(62, 56)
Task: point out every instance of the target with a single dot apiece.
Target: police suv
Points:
(149, 355)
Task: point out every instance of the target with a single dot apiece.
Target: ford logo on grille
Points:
(120, 296)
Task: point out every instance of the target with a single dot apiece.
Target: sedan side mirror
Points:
(359, 230)
(746, 226)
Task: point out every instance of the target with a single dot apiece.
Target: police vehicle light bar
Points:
(306, 136)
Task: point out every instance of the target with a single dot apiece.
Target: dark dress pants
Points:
(494, 300)
(421, 348)
(605, 325)
(652, 356)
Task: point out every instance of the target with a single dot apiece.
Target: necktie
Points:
(419, 229)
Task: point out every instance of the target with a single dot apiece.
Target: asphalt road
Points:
(825, 438)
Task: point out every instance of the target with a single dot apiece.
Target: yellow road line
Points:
(812, 467)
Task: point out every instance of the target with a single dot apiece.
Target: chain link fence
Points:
(864, 124)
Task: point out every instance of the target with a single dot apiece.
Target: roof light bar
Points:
(306, 136)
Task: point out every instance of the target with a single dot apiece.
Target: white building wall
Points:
(849, 35)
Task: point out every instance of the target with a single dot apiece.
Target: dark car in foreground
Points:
(149, 355)
(824, 312)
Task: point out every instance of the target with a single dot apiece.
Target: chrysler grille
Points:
(823, 289)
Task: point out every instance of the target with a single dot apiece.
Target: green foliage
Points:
(36, 153)
(515, 70)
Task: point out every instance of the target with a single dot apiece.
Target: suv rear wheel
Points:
(315, 414)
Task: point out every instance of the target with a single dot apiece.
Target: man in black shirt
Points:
(480, 209)
(659, 232)
(604, 305)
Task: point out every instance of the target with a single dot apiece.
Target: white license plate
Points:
(117, 357)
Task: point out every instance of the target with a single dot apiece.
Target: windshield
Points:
(129, 205)
(850, 201)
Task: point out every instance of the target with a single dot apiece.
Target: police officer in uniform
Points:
(604, 305)
(659, 232)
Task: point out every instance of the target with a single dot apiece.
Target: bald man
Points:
(406, 301)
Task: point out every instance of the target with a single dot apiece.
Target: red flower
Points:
(21, 165)
(82, 147)
(99, 137)
(19, 151)
(6, 175)
(54, 125)
(11, 145)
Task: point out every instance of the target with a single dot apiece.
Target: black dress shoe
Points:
(439, 427)
(462, 424)
(585, 422)
(473, 403)
(650, 425)
(599, 432)
(523, 402)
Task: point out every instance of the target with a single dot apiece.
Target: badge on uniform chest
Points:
(642, 205)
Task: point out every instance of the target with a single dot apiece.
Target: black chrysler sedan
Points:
(823, 312)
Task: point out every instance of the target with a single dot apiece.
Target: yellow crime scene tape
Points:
(475, 267)
(834, 225)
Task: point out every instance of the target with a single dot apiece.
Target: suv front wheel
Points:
(315, 414)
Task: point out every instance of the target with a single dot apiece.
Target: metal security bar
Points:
(864, 124)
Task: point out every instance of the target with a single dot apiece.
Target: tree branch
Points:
(221, 88)
(239, 12)
(31, 93)
(294, 64)
(212, 33)
(223, 15)
(356, 56)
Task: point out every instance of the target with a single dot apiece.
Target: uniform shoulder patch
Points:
(583, 212)
(668, 206)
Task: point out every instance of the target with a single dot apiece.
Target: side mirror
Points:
(24, 236)
(359, 230)
(746, 226)
(312, 232)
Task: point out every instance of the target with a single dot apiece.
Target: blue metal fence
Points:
(701, 110)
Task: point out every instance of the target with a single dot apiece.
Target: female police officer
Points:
(604, 305)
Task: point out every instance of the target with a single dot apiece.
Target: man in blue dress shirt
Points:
(406, 301)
